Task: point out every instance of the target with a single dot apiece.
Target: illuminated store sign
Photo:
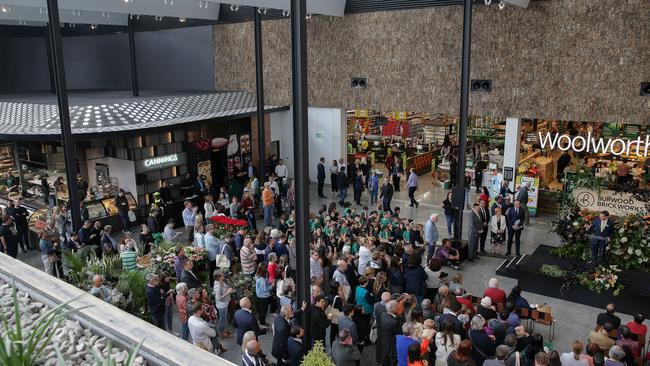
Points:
(595, 145)
(160, 160)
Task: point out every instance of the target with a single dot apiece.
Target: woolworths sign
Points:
(619, 204)
(592, 144)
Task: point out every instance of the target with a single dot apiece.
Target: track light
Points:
(93, 26)
(502, 5)
(234, 7)
(128, 1)
(5, 8)
(72, 25)
(182, 20)
(158, 18)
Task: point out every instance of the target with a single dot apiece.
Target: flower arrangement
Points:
(229, 221)
(224, 225)
(164, 255)
(602, 279)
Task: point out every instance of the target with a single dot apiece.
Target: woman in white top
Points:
(199, 236)
(223, 200)
(497, 230)
(365, 254)
(446, 342)
(221, 301)
(575, 358)
(208, 206)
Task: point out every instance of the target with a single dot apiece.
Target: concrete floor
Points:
(573, 321)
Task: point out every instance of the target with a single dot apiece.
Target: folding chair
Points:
(524, 314)
(545, 319)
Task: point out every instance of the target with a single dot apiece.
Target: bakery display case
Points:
(96, 210)
(38, 220)
(111, 209)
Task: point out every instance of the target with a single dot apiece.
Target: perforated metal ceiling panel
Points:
(18, 118)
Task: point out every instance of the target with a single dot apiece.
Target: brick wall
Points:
(567, 59)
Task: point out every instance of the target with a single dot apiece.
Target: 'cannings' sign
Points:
(595, 145)
(619, 204)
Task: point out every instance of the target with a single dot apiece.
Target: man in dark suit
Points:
(342, 184)
(484, 212)
(379, 309)
(281, 330)
(601, 230)
(609, 317)
(321, 176)
(390, 328)
(515, 221)
(188, 276)
(245, 321)
(474, 232)
(386, 195)
(296, 346)
(452, 316)
(318, 320)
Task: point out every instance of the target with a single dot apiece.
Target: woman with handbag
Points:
(263, 292)
(336, 300)
(497, 230)
(222, 294)
(483, 345)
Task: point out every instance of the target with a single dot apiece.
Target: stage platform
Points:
(633, 299)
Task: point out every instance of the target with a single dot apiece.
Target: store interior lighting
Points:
(6, 8)
(93, 26)
(234, 7)
(182, 20)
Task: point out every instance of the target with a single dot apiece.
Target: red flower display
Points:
(225, 220)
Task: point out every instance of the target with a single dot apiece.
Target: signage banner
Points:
(160, 162)
(533, 192)
(619, 204)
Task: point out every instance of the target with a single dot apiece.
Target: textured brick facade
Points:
(566, 59)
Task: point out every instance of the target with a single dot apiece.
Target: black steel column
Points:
(301, 154)
(259, 80)
(50, 67)
(134, 65)
(459, 190)
(64, 113)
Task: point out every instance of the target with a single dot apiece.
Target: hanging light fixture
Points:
(106, 14)
(502, 5)
(286, 13)
(5, 8)
(168, 2)
(203, 4)
(234, 7)
(488, 2)
(128, 1)
(182, 20)
(93, 26)
(308, 16)
(158, 18)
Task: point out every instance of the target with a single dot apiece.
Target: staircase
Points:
(509, 266)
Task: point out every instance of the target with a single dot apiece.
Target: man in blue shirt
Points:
(412, 186)
(212, 247)
(403, 342)
(431, 235)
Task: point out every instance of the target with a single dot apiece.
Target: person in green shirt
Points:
(129, 258)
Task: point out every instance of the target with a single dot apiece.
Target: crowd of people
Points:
(376, 277)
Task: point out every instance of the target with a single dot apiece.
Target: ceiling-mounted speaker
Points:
(645, 89)
(481, 85)
(359, 83)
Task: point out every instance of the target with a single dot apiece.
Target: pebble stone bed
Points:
(74, 341)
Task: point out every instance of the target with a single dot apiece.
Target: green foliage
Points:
(19, 349)
(603, 278)
(584, 178)
(132, 284)
(317, 356)
(109, 266)
(552, 270)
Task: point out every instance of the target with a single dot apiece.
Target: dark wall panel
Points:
(180, 59)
